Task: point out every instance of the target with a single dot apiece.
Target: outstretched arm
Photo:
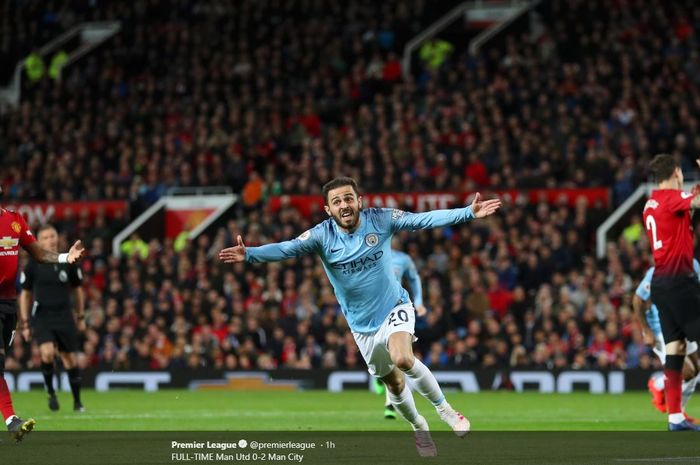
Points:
(401, 220)
(640, 308)
(303, 245)
(46, 256)
(416, 289)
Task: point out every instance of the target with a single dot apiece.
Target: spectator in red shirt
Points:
(476, 171)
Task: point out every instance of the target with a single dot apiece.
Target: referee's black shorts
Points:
(678, 301)
(8, 323)
(59, 328)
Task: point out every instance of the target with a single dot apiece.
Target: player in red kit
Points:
(14, 233)
(674, 287)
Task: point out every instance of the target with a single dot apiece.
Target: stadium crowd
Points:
(520, 290)
(290, 94)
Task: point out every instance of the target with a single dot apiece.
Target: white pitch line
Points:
(102, 415)
(660, 459)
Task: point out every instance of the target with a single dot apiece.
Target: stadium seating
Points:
(286, 97)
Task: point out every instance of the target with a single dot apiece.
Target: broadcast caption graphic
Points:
(348, 448)
(244, 451)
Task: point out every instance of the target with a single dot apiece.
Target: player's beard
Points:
(350, 222)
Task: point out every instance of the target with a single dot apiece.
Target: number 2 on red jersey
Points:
(651, 226)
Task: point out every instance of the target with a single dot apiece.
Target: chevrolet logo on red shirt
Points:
(8, 242)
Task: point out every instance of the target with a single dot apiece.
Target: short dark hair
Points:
(662, 166)
(45, 227)
(339, 182)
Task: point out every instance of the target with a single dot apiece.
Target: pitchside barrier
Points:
(544, 381)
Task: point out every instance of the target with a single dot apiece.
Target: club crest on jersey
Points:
(16, 227)
(63, 276)
(371, 239)
(8, 242)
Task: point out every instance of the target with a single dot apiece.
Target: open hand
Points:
(484, 208)
(233, 254)
(25, 330)
(695, 190)
(76, 252)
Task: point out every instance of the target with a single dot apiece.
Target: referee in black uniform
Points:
(46, 294)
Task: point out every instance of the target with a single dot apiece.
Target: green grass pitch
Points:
(182, 410)
(133, 427)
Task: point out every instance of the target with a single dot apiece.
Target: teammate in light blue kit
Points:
(653, 337)
(403, 267)
(355, 248)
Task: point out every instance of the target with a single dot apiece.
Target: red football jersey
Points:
(667, 221)
(14, 233)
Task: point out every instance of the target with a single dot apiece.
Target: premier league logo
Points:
(371, 239)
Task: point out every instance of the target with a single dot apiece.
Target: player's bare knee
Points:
(69, 360)
(47, 354)
(675, 348)
(687, 371)
(404, 362)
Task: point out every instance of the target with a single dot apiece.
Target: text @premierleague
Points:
(243, 451)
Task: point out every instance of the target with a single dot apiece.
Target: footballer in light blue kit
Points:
(653, 337)
(403, 267)
(355, 248)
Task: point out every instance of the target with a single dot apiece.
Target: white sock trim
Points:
(9, 419)
(676, 418)
(425, 383)
(443, 406)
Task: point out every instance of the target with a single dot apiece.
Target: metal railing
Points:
(624, 208)
(484, 36)
(91, 35)
(220, 197)
(519, 6)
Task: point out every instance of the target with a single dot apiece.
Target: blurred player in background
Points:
(47, 291)
(14, 233)
(648, 316)
(675, 289)
(355, 248)
(404, 268)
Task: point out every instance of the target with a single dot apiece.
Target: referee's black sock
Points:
(75, 380)
(47, 371)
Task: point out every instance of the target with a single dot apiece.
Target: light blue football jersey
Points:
(644, 293)
(358, 264)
